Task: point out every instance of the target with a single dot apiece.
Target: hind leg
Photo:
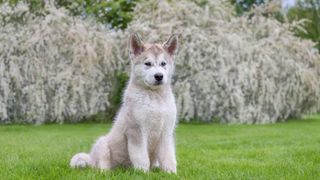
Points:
(100, 154)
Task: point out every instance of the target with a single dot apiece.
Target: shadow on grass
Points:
(312, 118)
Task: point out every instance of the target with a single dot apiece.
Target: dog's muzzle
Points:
(158, 77)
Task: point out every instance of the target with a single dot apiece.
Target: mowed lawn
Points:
(289, 150)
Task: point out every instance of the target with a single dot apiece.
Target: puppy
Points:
(142, 135)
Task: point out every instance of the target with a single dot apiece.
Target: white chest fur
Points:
(154, 112)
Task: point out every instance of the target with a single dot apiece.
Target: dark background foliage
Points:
(114, 13)
(245, 5)
(310, 10)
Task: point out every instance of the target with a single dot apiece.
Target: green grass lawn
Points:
(288, 150)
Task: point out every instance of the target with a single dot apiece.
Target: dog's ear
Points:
(171, 45)
(136, 45)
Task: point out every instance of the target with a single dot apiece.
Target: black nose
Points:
(158, 76)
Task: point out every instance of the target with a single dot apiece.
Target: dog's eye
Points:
(147, 63)
(163, 63)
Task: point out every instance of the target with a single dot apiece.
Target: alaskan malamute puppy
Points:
(142, 135)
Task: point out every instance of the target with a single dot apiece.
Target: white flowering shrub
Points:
(234, 69)
(53, 67)
(249, 69)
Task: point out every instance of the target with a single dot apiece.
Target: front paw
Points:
(169, 167)
(142, 167)
(104, 166)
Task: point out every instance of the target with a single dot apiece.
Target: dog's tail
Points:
(81, 160)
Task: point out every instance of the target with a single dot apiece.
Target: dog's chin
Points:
(158, 83)
(154, 85)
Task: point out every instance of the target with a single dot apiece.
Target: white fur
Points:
(142, 135)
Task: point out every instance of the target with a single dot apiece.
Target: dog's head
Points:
(152, 64)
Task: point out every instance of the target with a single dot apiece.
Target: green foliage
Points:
(115, 97)
(114, 13)
(270, 8)
(201, 3)
(306, 9)
(115, 100)
(204, 151)
(242, 6)
(117, 13)
(309, 10)
(35, 6)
